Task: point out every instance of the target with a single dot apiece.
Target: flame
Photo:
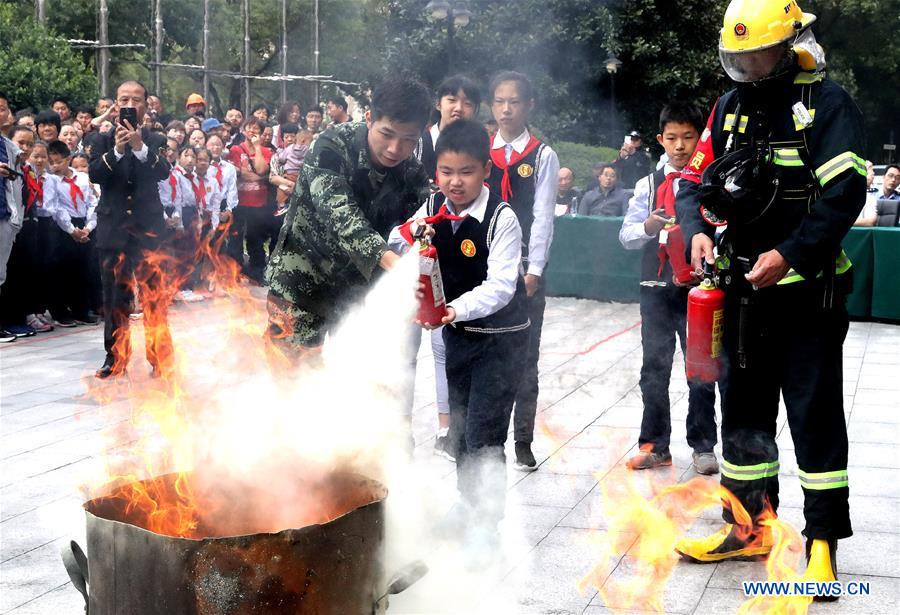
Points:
(644, 529)
(230, 406)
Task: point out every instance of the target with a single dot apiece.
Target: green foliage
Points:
(667, 50)
(582, 158)
(38, 65)
(863, 53)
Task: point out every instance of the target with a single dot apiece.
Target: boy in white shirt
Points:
(478, 239)
(72, 204)
(648, 225)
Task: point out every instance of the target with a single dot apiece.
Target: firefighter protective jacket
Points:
(816, 157)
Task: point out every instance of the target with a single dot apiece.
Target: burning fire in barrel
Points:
(170, 545)
(241, 495)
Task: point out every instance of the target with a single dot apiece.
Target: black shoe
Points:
(6, 336)
(88, 319)
(109, 369)
(525, 460)
(65, 323)
(443, 448)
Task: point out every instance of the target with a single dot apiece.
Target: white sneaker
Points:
(37, 324)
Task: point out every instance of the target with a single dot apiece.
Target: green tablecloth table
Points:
(886, 274)
(587, 261)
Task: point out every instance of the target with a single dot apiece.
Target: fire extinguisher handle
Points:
(76, 565)
(709, 269)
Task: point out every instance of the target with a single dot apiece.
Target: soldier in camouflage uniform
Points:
(358, 181)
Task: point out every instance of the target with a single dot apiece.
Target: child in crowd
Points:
(181, 193)
(209, 199)
(36, 179)
(663, 304)
(525, 173)
(172, 148)
(71, 202)
(478, 239)
(81, 163)
(458, 97)
(224, 173)
(197, 138)
(285, 166)
(192, 123)
(69, 136)
(176, 130)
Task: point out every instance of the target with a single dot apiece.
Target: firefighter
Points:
(779, 162)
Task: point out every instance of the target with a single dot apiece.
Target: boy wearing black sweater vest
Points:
(478, 240)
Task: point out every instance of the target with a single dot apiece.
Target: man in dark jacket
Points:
(127, 164)
(779, 161)
(607, 198)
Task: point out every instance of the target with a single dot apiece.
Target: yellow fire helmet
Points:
(757, 34)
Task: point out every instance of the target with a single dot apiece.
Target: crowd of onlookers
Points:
(236, 173)
(228, 191)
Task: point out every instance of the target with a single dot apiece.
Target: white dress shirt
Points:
(504, 260)
(228, 189)
(632, 234)
(58, 201)
(213, 196)
(545, 189)
(184, 194)
(39, 209)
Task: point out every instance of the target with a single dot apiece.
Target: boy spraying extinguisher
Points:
(650, 225)
(478, 241)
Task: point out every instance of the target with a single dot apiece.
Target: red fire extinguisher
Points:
(433, 306)
(705, 318)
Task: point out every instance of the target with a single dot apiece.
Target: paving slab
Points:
(590, 406)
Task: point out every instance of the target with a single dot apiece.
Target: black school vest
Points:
(523, 178)
(427, 156)
(650, 273)
(463, 258)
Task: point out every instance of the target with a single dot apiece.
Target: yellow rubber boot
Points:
(729, 543)
(821, 565)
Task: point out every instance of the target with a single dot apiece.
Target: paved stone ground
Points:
(590, 409)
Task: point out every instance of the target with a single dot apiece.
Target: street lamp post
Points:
(456, 14)
(612, 67)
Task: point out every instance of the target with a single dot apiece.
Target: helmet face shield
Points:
(756, 65)
(810, 54)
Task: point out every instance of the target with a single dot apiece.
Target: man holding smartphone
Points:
(127, 163)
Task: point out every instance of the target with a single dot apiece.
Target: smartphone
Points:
(128, 114)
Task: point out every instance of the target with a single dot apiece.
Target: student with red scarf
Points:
(649, 226)
(525, 174)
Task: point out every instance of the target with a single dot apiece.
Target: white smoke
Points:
(242, 428)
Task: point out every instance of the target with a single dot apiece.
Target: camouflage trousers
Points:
(289, 324)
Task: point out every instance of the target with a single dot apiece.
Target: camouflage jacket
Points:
(340, 214)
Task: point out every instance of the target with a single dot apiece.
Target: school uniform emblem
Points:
(467, 247)
(526, 170)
